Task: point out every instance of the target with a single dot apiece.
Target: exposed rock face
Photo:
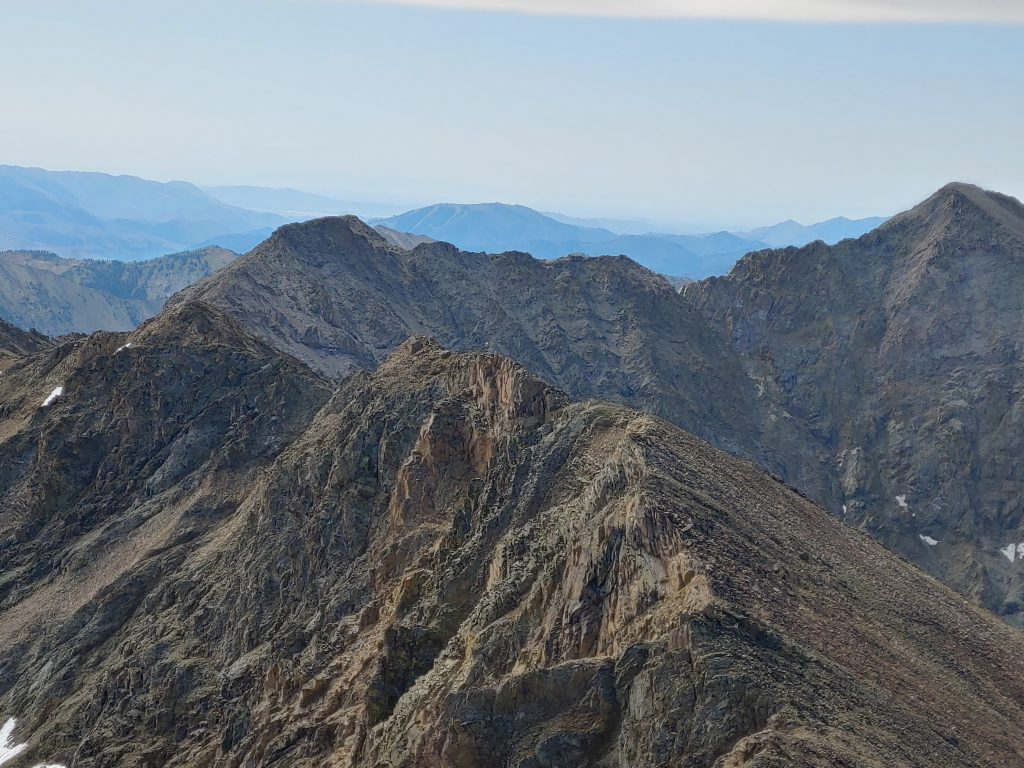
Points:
(209, 563)
(16, 343)
(335, 294)
(890, 369)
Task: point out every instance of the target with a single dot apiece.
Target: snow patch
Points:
(57, 392)
(844, 510)
(1013, 552)
(902, 501)
(123, 347)
(928, 540)
(9, 750)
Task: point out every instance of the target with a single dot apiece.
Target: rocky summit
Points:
(890, 374)
(215, 557)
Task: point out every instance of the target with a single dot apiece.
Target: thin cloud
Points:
(820, 11)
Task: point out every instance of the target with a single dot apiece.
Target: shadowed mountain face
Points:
(335, 294)
(901, 356)
(58, 296)
(879, 375)
(211, 560)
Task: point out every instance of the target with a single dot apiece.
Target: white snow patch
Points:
(123, 347)
(57, 392)
(8, 750)
(902, 501)
(928, 540)
(1020, 551)
(844, 510)
(1010, 551)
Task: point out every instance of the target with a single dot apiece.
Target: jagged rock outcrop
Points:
(208, 562)
(890, 372)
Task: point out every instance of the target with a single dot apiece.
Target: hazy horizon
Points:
(706, 124)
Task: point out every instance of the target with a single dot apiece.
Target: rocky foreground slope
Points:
(890, 370)
(211, 560)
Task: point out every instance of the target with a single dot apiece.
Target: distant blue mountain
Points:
(96, 215)
(487, 226)
(496, 227)
(831, 231)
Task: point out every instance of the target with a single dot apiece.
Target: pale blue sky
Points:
(708, 123)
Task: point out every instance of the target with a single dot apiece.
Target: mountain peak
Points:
(959, 204)
(336, 230)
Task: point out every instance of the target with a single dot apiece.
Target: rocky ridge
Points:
(211, 560)
(335, 294)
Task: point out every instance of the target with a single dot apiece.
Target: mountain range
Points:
(830, 231)
(842, 429)
(335, 294)
(96, 215)
(57, 296)
(496, 227)
(345, 502)
(100, 216)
